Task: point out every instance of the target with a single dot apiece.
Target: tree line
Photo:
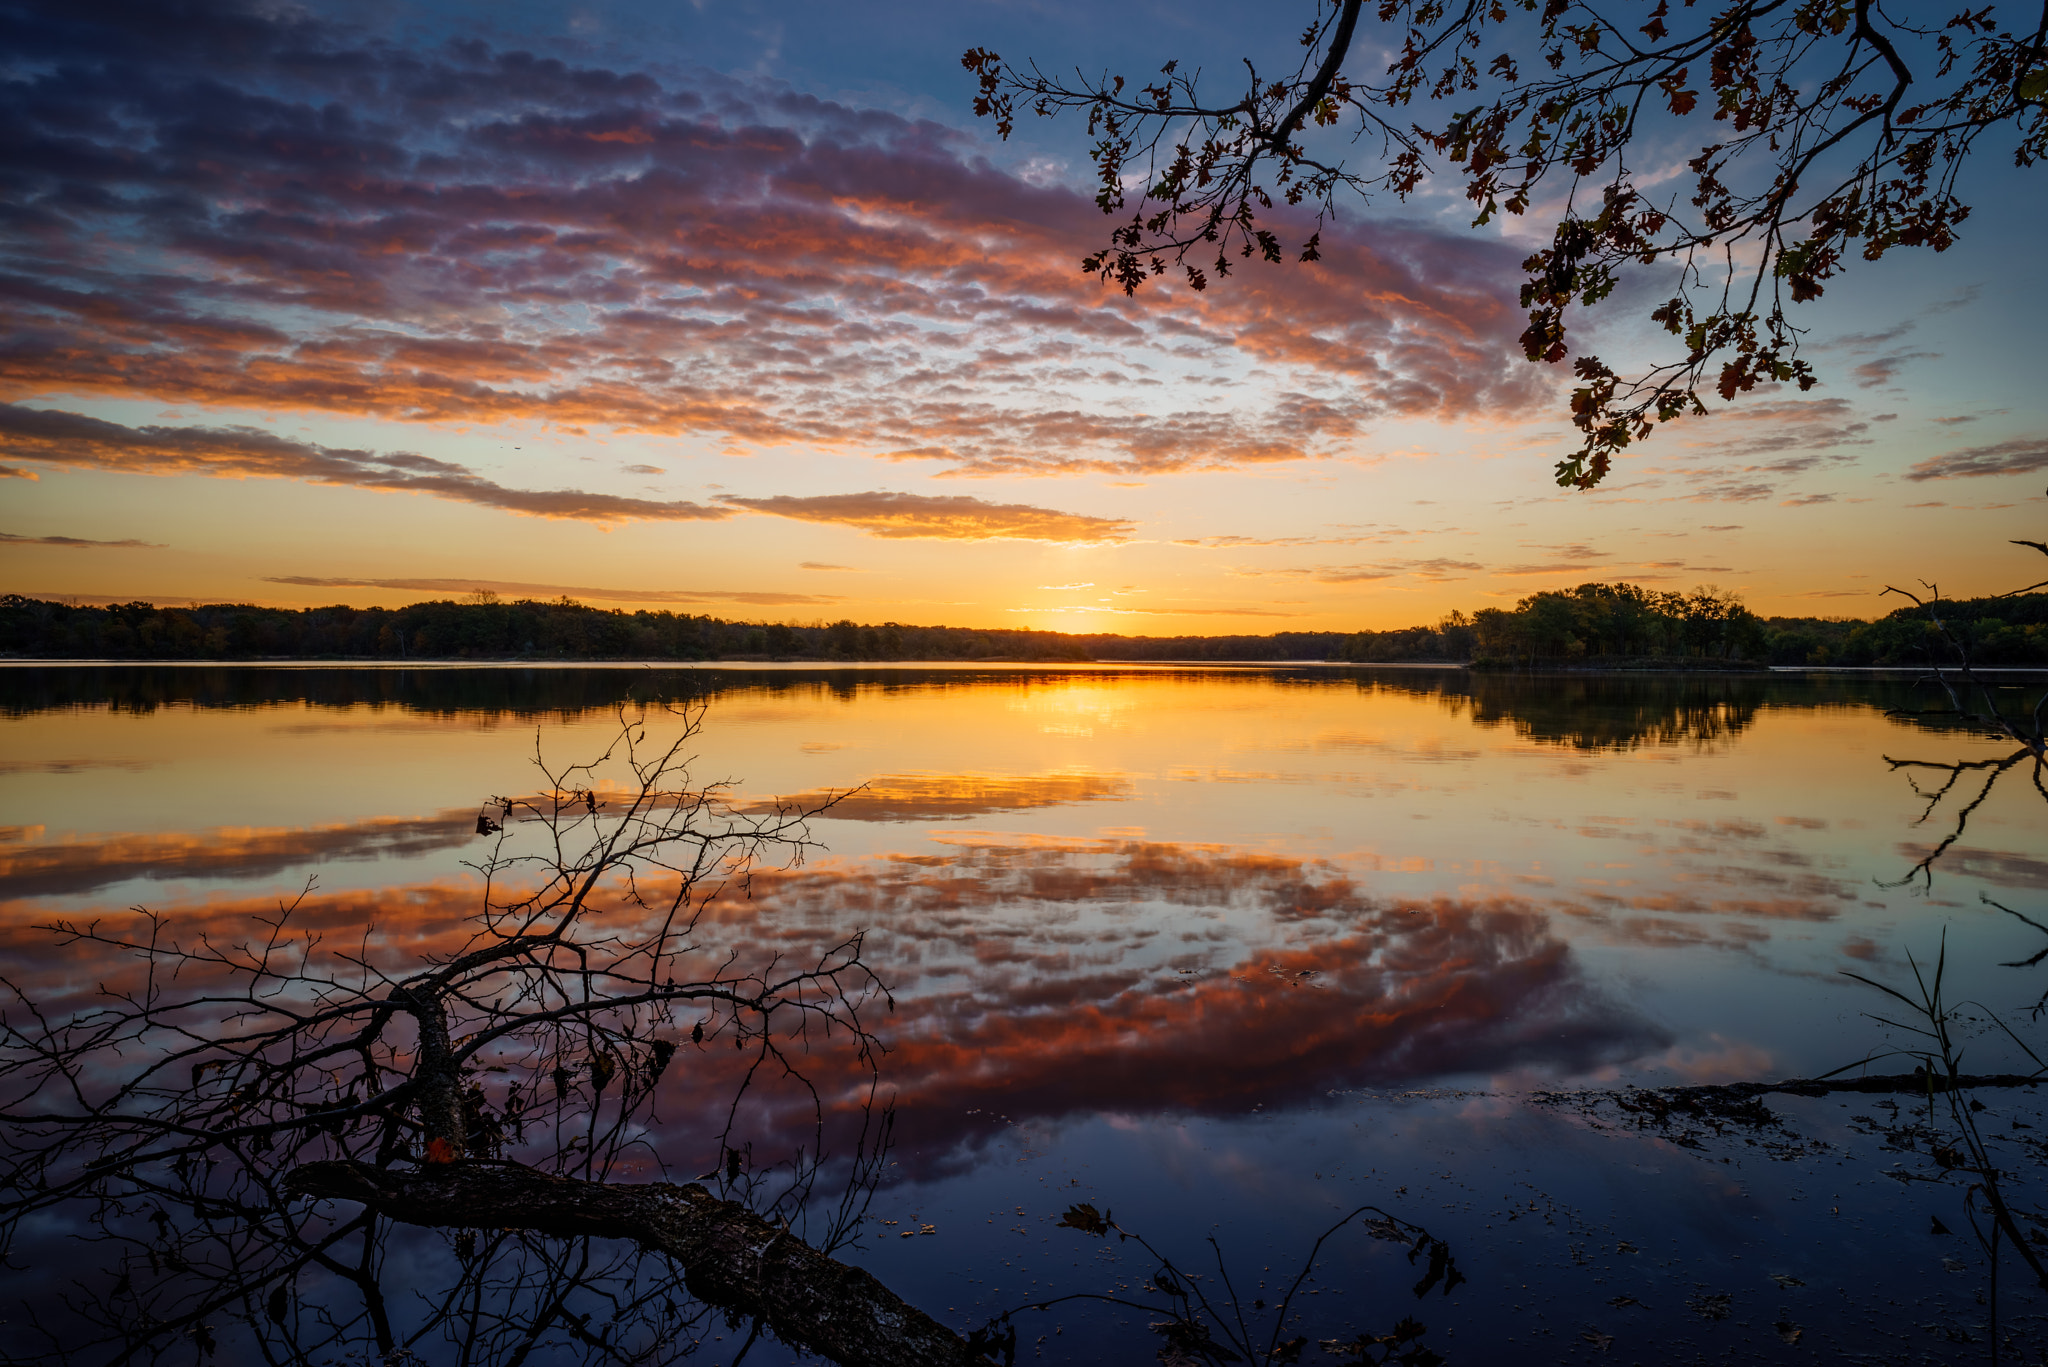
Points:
(562, 629)
(1592, 624)
(1616, 622)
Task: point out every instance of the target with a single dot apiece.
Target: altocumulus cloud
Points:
(75, 439)
(2022, 456)
(78, 543)
(242, 206)
(955, 518)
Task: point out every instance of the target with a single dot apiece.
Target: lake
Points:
(1223, 952)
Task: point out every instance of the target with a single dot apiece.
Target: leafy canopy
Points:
(1822, 129)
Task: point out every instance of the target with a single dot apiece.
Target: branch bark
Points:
(1325, 77)
(732, 1259)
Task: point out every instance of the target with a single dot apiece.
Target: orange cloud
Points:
(77, 543)
(74, 439)
(956, 518)
(523, 590)
(77, 440)
(69, 868)
(946, 797)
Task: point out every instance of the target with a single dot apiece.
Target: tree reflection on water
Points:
(1582, 711)
(1039, 981)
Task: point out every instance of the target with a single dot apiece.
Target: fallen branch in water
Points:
(1918, 1082)
(731, 1258)
(156, 1119)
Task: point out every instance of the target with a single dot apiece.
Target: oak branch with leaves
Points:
(1812, 132)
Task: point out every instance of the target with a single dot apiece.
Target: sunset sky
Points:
(735, 309)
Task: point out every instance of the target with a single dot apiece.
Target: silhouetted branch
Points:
(731, 1258)
(1192, 1322)
(1826, 144)
(160, 1113)
(1997, 767)
(1954, 672)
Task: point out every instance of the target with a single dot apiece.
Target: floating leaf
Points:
(1085, 1218)
(1710, 1305)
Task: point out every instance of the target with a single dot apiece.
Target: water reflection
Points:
(1063, 978)
(35, 866)
(1999, 868)
(952, 797)
(1315, 880)
(56, 868)
(1584, 712)
(1597, 713)
(1045, 979)
(170, 1090)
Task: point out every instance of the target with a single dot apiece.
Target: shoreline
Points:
(1014, 663)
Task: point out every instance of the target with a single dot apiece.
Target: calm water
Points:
(1227, 951)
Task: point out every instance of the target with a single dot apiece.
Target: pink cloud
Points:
(470, 236)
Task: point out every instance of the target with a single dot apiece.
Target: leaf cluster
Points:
(1823, 130)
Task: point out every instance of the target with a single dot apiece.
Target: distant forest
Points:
(1592, 623)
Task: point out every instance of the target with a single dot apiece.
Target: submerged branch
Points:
(731, 1258)
(1716, 1094)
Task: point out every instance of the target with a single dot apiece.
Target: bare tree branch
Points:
(163, 1113)
(731, 1258)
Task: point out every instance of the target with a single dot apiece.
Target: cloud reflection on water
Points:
(78, 866)
(70, 867)
(1046, 979)
(947, 797)
(1066, 977)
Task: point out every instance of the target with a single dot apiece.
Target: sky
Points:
(735, 309)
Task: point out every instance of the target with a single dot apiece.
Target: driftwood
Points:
(1742, 1102)
(1916, 1081)
(731, 1258)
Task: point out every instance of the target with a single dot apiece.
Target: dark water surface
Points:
(1225, 951)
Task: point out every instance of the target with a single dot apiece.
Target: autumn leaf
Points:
(1085, 1218)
